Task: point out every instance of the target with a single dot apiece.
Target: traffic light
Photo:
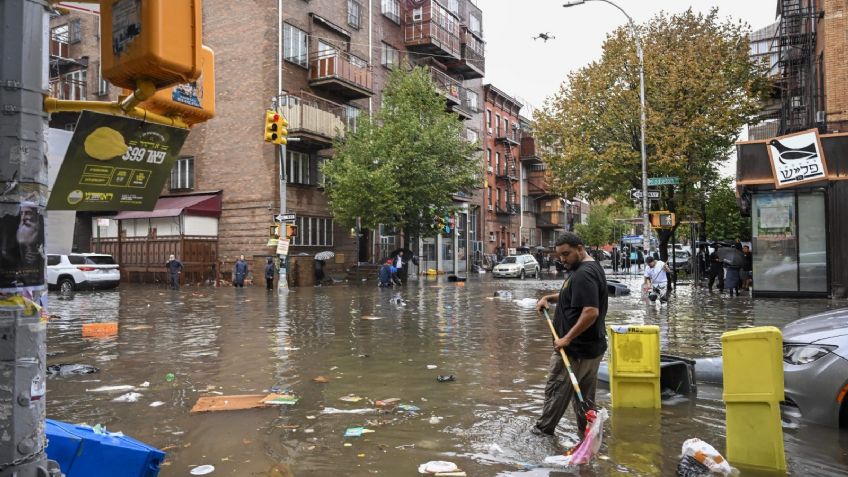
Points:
(291, 230)
(662, 219)
(275, 128)
(275, 231)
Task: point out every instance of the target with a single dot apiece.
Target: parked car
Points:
(815, 367)
(82, 270)
(681, 261)
(518, 266)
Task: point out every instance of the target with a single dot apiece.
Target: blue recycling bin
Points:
(82, 452)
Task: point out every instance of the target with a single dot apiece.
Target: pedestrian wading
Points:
(579, 321)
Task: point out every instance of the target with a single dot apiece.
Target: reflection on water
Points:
(246, 341)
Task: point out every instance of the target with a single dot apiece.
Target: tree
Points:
(404, 162)
(724, 220)
(597, 230)
(701, 88)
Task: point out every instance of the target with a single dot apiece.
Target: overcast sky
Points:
(532, 70)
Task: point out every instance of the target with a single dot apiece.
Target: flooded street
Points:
(247, 341)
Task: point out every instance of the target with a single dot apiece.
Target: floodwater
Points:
(246, 341)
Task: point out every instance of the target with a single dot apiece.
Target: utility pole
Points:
(282, 284)
(23, 196)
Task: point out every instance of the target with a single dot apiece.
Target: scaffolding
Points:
(800, 68)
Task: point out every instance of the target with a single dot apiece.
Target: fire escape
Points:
(800, 91)
(509, 173)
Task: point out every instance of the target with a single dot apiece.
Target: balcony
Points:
(551, 220)
(339, 73)
(538, 183)
(63, 87)
(528, 151)
(432, 29)
(509, 208)
(508, 173)
(450, 88)
(472, 61)
(510, 138)
(315, 121)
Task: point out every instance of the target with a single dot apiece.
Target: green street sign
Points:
(115, 163)
(659, 181)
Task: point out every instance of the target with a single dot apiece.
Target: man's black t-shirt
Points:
(585, 286)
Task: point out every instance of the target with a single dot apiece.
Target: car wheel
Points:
(66, 285)
(521, 276)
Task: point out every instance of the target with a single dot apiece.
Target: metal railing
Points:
(434, 27)
(62, 87)
(340, 65)
(309, 113)
(450, 87)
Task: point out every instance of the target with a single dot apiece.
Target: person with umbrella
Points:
(734, 260)
(716, 270)
(320, 259)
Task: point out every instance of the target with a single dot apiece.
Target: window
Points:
(389, 56)
(506, 127)
(320, 179)
(75, 34)
(498, 199)
(453, 6)
(73, 85)
(325, 49)
(489, 119)
(472, 136)
(471, 97)
(351, 117)
(353, 10)
(298, 168)
(490, 194)
(102, 84)
(498, 125)
(296, 45)
(489, 157)
(497, 163)
(60, 34)
(314, 232)
(391, 9)
(474, 25)
(182, 174)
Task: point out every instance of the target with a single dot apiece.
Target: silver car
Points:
(518, 266)
(815, 367)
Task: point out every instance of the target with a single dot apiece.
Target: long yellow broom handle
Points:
(564, 358)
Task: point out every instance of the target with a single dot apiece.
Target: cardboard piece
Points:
(99, 330)
(233, 403)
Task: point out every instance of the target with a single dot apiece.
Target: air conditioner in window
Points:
(490, 131)
(490, 207)
(491, 237)
(489, 169)
(417, 14)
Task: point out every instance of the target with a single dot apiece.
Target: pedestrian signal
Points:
(275, 231)
(274, 127)
(663, 219)
(291, 230)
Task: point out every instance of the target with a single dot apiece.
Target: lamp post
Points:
(645, 223)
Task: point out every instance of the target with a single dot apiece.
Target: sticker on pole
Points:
(114, 163)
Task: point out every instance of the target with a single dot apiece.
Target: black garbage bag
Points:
(689, 467)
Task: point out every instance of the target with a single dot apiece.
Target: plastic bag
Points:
(588, 447)
(706, 455)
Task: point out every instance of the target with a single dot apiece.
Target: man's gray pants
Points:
(559, 392)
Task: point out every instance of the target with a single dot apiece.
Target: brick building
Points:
(337, 55)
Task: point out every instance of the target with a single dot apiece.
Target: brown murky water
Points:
(246, 341)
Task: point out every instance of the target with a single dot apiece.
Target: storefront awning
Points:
(199, 204)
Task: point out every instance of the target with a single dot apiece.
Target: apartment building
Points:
(337, 55)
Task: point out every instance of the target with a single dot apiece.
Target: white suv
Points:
(82, 270)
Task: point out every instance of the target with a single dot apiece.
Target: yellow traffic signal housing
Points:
(284, 132)
(291, 230)
(194, 102)
(663, 219)
(155, 40)
(273, 127)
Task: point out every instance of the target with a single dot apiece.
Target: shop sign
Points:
(797, 158)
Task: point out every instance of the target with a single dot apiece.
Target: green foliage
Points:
(724, 221)
(406, 160)
(701, 88)
(597, 230)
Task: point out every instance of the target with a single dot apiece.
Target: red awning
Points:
(201, 204)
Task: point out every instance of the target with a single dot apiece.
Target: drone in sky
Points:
(545, 36)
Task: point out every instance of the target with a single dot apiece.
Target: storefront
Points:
(798, 222)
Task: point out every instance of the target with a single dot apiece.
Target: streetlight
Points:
(645, 224)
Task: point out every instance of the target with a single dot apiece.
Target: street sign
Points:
(636, 194)
(658, 181)
(286, 218)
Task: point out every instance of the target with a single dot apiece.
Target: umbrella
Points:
(325, 255)
(731, 256)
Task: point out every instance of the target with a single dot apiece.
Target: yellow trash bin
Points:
(753, 388)
(634, 366)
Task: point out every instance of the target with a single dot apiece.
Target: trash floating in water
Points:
(170, 377)
(442, 378)
(371, 318)
(503, 294)
(590, 444)
(350, 398)
(156, 403)
(439, 467)
(285, 400)
(332, 410)
(387, 403)
(202, 470)
(526, 302)
(436, 419)
(321, 379)
(233, 403)
(706, 455)
(431, 366)
(408, 408)
(99, 330)
(690, 467)
(112, 389)
(128, 397)
(356, 431)
(69, 369)
(145, 384)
